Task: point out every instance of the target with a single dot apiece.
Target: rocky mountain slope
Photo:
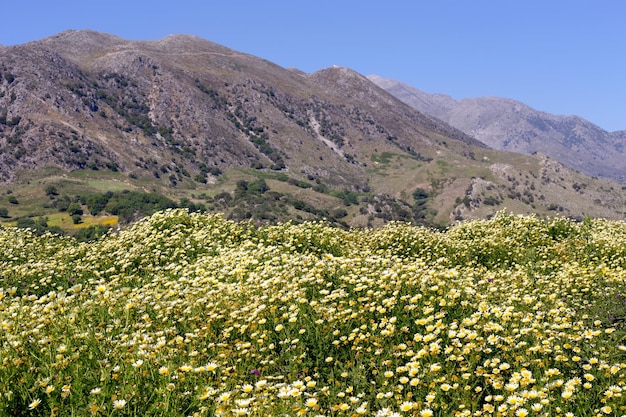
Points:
(513, 126)
(88, 112)
(82, 98)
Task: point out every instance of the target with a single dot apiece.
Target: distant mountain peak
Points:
(338, 73)
(383, 82)
(510, 125)
(188, 43)
(84, 36)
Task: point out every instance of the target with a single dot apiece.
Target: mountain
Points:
(509, 125)
(85, 114)
(82, 98)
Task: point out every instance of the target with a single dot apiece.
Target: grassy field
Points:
(192, 315)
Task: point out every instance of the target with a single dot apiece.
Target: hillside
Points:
(102, 100)
(510, 125)
(86, 114)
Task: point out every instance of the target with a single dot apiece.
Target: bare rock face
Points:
(509, 125)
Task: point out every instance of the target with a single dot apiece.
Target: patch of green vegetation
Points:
(130, 205)
(383, 157)
(254, 201)
(348, 197)
(86, 228)
(38, 225)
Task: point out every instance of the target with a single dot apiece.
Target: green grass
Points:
(384, 157)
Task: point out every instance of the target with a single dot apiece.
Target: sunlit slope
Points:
(195, 315)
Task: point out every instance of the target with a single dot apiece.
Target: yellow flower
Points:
(34, 404)
(435, 367)
(119, 404)
(185, 368)
(406, 406)
(526, 373)
(512, 386)
(224, 397)
(311, 402)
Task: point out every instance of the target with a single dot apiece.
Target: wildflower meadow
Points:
(188, 314)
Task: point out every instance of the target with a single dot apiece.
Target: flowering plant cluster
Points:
(192, 315)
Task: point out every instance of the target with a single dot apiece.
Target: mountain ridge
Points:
(77, 55)
(507, 124)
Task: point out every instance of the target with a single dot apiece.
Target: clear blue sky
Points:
(560, 56)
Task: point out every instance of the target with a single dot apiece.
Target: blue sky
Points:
(560, 56)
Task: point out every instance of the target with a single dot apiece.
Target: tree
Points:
(75, 208)
(96, 203)
(91, 233)
(62, 203)
(339, 213)
(4, 212)
(51, 190)
(200, 178)
(258, 187)
(420, 194)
